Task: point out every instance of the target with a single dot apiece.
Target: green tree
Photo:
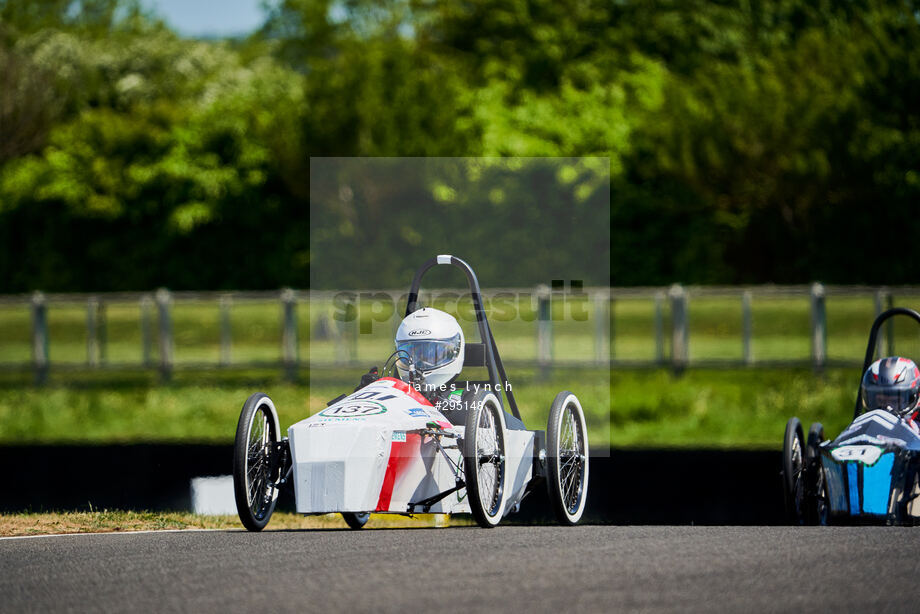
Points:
(175, 152)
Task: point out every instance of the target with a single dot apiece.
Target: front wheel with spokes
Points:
(816, 499)
(256, 462)
(794, 484)
(567, 458)
(484, 459)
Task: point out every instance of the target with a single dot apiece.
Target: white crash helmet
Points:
(433, 340)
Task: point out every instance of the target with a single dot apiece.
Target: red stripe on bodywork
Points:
(407, 389)
(401, 454)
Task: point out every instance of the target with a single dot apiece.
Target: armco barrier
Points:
(627, 487)
(130, 477)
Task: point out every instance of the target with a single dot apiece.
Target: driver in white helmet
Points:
(429, 345)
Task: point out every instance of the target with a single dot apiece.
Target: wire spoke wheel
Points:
(794, 481)
(572, 460)
(821, 502)
(567, 458)
(256, 462)
(816, 500)
(488, 459)
(484, 460)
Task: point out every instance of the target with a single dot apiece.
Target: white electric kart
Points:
(386, 449)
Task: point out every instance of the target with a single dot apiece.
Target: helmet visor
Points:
(892, 399)
(428, 354)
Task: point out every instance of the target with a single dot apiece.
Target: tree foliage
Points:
(748, 141)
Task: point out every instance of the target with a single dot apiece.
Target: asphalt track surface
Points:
(517, 568)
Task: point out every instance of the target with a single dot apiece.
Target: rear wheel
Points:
(567, 458)
(794, 471)
(484, 459)
(356, 520)
(256, 466)
(817, 506)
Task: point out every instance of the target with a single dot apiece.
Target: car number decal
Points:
(866, 454)
(354, 410)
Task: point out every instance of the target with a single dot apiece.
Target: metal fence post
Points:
(289, 334)
(338, 334)
(92, 340)
(146, 331)
(226, 338)
(102, 332)
(818, 328)
(397, 314)
(346, 331)
(747, 351)
(603, 328)
(40, 357)
(659, 328)
(164, 299)
(680, 341)
(544, 330)
(354, 335)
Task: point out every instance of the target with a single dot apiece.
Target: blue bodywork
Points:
(864, 463)
(844, 480)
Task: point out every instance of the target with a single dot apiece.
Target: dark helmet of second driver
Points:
(892, 383)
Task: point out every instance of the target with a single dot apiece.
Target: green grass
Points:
(703, 408)
(729, 408)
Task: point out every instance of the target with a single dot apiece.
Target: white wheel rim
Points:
(257, 464)
(489, 466)
(572, 458)
(490, 463)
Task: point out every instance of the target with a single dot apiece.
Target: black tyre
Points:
(794, 471)
(256, 467)
(356, 520)
(816, 493)
(484, 459)
(567, 458)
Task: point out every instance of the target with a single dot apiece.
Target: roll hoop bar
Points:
(873, 336)
(493, 361)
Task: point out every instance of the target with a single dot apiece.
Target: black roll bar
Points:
(493, 361)
(873, 337)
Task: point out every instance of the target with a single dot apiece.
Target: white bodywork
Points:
(365, 453)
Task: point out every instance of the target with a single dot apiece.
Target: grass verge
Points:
(739, 408)
(105, 521)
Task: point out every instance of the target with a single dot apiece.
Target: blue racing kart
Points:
(869, 474)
